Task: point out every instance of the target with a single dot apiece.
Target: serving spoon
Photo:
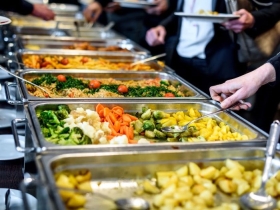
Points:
(260, 200)
(180, 129)
(121, 203)
(31, 83)
(148, 59)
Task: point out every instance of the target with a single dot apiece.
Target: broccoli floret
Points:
(147, 114)
(159, 134)
(85, 140)
(164, 82)
(61, 114)
(160, 114)
(61, 130)
(46, 132)
(148, 125)
(48, 118)
(76, 135)
(64, 107)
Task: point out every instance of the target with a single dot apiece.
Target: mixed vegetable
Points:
(62, 86)
(114, 126)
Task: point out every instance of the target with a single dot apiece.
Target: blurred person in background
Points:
(25, 8)
(130, 22)
(246, 85)
(203, 53)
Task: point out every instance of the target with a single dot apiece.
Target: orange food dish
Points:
(80, 62)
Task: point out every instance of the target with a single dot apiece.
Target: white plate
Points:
(8, 150)
(4, 20)
(16, 202)
(63, 7)
(220, 18)
(135, 4)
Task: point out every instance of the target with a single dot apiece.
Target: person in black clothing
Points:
(203, 53)
(25, 8)
(132, 23)
(246, 85)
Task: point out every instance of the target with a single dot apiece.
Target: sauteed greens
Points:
(68, 86)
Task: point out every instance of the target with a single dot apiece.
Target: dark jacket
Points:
(149, 20)
(19, 6)
(275, 61)
(221, 51)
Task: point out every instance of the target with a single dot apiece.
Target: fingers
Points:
(92, 12)
(156, 36)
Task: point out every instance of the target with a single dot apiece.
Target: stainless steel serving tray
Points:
(123, 76)
(113, 57)
(31, 21)
(257, 137)
(25, 42)
(46, 32)
(117, 174)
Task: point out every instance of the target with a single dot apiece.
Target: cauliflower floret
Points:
(98, 134)
(105, 127)
(143, 141)
(103, 140)
(87, 129)
(119, 140)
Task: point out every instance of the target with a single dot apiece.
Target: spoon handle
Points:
(270, 148)
(20, 78)
(149, 59)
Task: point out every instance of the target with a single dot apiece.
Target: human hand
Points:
(245, 21)
(243, 87)
(162, 6)
(92, 12)
(155, 36)
(42, 11)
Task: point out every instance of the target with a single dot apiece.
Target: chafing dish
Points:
(28, 74)
(117, 175)
(25, 42)
(112, 57)
(256, 136)
(57, 32)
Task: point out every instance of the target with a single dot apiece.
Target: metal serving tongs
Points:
(47, 95)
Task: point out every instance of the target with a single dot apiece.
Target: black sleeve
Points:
(103, 2)
(265, 18)
(19, 6)
(171, 24)
(275, 62)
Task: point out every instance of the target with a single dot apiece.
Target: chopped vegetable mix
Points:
(114, 126)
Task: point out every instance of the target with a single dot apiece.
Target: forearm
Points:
(265, 19)
(275, 62)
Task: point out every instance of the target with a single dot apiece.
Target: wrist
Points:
(267, 73)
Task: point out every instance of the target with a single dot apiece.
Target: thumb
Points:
(161, 35)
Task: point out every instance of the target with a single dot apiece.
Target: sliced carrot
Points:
(131, 141)
(99, 107)
(126, 118)
(101, 113)
(117, 126)
(109, 137)
(106, 111)
(122, 129)
(133, 118)
(124, 123)
(113, 132)
(118, 109)
(130, 133)
(112, 117)
(109, 120)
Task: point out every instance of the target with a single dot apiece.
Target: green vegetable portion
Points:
(51, 123)
(164, 87)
